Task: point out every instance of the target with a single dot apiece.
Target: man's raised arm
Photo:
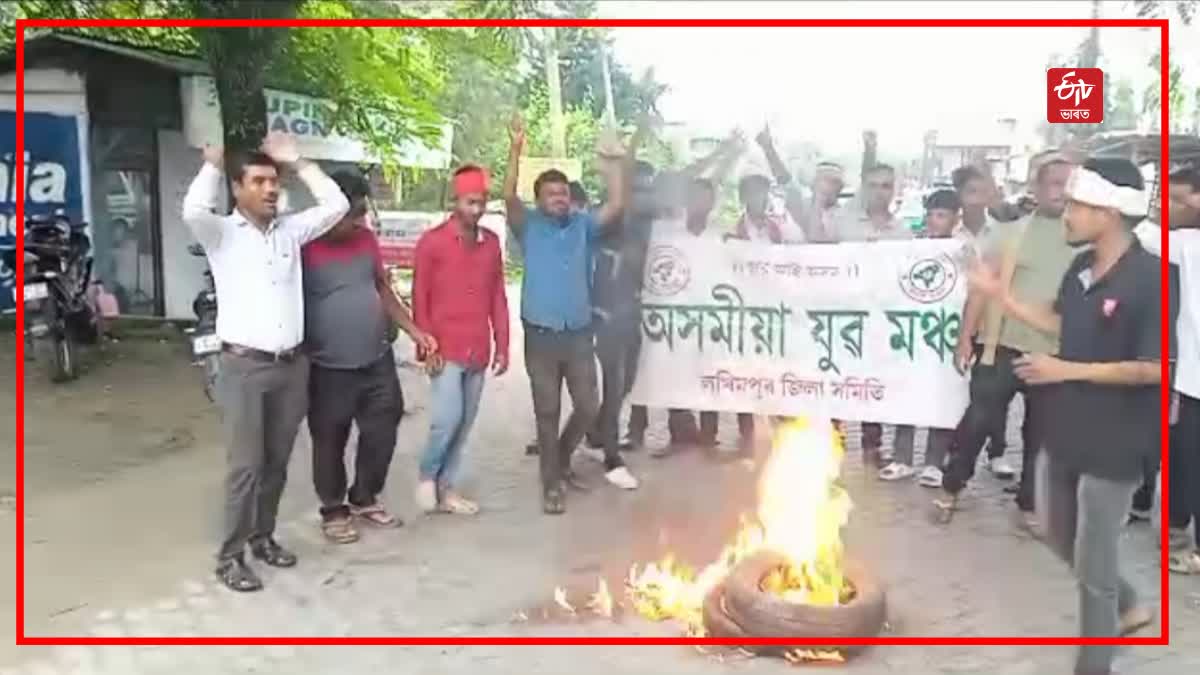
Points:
(514, 208)
(618, 175)
(332, 204)
(200, 202)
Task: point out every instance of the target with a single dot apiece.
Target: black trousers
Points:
(369, 397)
(1184, 458)
(618, 353)
(992, 390)
(552, 358)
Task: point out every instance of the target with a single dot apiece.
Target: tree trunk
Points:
(239, 58)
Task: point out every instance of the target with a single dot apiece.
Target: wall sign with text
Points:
(851, 331)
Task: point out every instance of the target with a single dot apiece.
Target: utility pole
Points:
(558, 131)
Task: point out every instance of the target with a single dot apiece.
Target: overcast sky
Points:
(828, 84)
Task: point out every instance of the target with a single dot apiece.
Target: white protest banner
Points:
(850, 331)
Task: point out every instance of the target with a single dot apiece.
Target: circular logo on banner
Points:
(929, 280)
(667, 271)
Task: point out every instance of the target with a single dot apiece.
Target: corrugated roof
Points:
(175, 62)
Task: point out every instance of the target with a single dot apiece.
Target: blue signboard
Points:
(53, 176)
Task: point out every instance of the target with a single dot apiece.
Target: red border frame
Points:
(22, 24)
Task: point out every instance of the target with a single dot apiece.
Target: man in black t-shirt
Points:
(1105, 391)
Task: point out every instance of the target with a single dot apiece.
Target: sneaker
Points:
(896, 471)
(594, 454)
(427, 497)
(1001, 469)
(931, 477)
(621, 477)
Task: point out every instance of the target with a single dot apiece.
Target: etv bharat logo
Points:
(929, 280)
(1075, 95)
(667, 271)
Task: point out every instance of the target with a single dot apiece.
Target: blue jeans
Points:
(454, 398)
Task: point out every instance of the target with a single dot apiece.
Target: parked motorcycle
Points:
(206, 346)
(58, 313)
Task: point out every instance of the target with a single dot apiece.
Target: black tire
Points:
(58, 349)
(761, 614)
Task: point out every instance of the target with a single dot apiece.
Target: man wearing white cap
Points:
(1104, 388)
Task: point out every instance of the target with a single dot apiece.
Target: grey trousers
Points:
(262, 406)
(551, 359)
(1082, 517)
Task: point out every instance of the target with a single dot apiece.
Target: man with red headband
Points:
(458, 298)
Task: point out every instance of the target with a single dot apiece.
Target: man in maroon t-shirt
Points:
(349, 311)
(458, 297)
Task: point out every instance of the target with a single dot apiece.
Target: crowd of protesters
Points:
(1064, 308)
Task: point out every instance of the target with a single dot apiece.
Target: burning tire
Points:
(739, 607)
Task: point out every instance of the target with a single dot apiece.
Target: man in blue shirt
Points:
(556, 306)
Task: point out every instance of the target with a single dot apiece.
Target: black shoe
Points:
(273, 554)
(531, 450)
(1012, 489)
(237, 576)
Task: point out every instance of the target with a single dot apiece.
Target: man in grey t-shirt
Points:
(349, 313)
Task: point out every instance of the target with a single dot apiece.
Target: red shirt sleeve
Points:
(499, 302)
(422, 288)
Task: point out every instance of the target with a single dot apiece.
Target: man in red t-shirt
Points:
(349, 313)
(458, 298)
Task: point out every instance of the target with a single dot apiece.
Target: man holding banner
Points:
(871, 219)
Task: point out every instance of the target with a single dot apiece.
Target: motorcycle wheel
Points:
(61, 360)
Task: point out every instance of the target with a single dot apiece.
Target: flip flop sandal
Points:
(339, 531)
(943, 511)
(1129, 626)
(554, 501)
(1185, 563)
(375, 514)
(459, 506)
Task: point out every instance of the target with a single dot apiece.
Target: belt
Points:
(286, 355)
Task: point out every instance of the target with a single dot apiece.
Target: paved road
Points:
(104, 561)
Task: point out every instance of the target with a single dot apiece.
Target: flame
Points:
(801, 511)
(560, 599)
(601, 601)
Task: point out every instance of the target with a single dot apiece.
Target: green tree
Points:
(1182, 119)
(384, 84)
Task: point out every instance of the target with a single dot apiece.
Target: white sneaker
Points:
(621, 477)
(594, 454)
(896, 471)
(1001, 468)
(427, 499)
(931, 477)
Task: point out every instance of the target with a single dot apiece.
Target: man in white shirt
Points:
(1184, 445)
(254, 254)
(976, 190)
